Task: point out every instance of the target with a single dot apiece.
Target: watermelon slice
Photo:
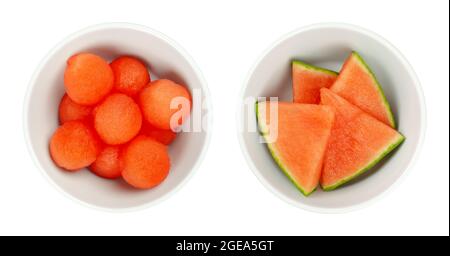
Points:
(307, 81)
(298, 140)
(357, 84)
(358, 141)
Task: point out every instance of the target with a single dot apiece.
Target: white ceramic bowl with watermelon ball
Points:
(166, 59)
(328, 46)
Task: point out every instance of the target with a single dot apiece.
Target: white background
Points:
(224, 197)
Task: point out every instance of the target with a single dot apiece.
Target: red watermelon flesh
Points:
(357, 84)
(358, 141)
(297, 139)
(307, 81)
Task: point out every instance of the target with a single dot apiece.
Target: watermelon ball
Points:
(155, 102)
(145, 163)
(107, 163)
(71, 111)
(88, 78)
(130, 75)
(74, 146)
(166, 137)
(117, 119)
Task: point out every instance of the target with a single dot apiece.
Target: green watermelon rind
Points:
(379, 88)
(388, 150)
(272, 150)
(307, 66)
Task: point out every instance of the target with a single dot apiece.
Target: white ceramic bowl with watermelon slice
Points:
(328, 46)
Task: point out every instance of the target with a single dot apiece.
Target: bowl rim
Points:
(416, 84)
(140, 28)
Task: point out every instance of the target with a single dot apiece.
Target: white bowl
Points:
(328, 45)
(166, 60)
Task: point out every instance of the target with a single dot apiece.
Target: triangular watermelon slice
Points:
(307, 81)
(358, 141)
(358, 84)
(297, 139)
